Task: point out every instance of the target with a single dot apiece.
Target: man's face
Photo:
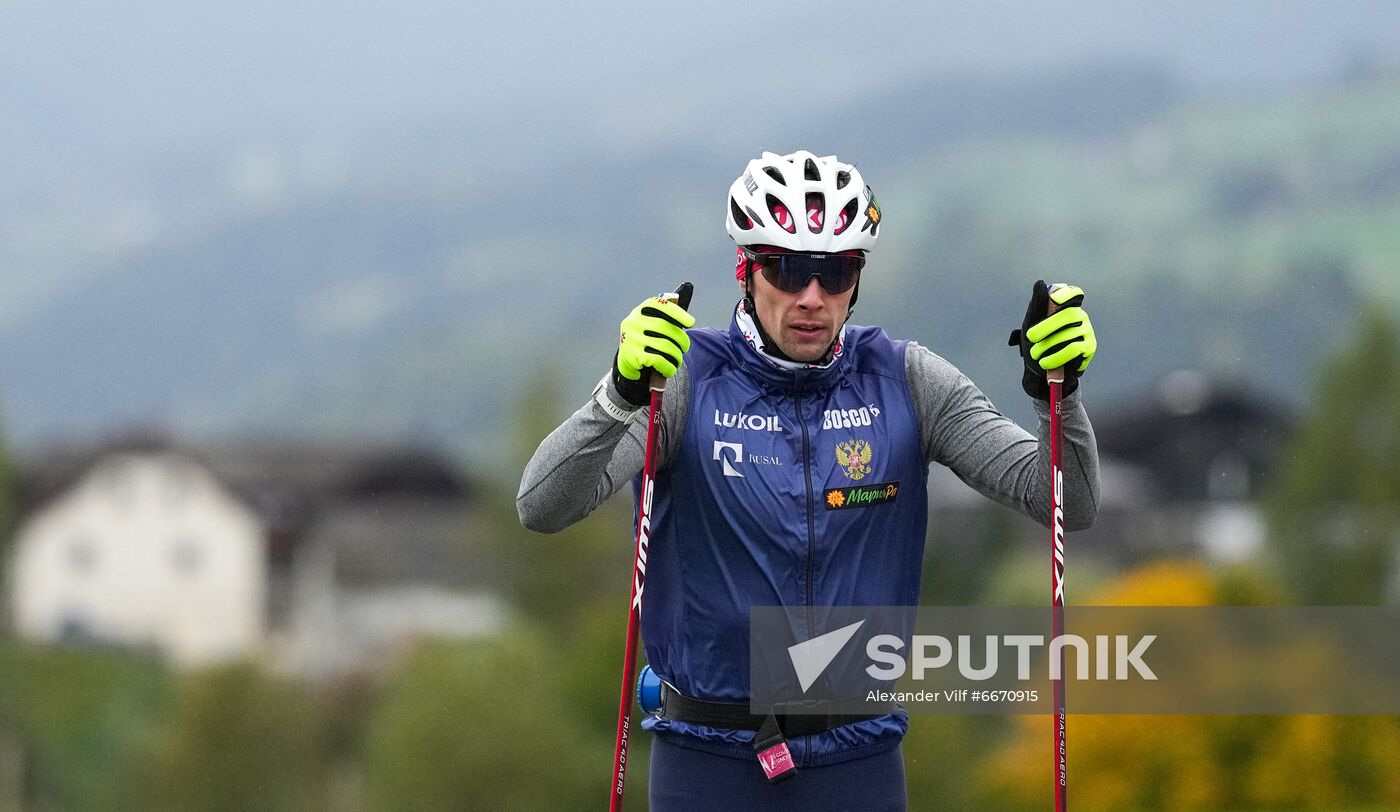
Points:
(804, 324)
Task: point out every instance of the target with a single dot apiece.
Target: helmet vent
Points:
(842, 178)
(741, 219)
(772, 172)
(816, 211)
(781, 215)
(809, 171)
(846, 217)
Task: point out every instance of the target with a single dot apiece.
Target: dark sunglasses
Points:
(791, 272)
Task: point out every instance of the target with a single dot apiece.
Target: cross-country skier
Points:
(764, 427)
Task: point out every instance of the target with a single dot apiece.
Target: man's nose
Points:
(811, 296)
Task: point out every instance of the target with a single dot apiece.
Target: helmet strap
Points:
(769, 345)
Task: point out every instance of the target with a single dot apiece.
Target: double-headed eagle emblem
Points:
(854, 458)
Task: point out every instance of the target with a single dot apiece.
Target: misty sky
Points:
(97, 81)
(149, 145)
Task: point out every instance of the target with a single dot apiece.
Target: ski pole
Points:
(639, 573)
(1056, 378)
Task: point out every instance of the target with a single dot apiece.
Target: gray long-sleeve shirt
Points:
(591, 455)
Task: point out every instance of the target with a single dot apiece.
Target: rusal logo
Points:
(738, 451)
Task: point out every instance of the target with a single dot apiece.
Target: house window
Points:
(82, 554)
(186, 556)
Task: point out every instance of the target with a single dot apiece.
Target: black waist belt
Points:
(740, 716)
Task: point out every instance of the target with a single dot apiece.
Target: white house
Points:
(148, 549)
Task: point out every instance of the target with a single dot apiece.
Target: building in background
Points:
(1207, 448)
(1181, 473)
(147, 549)
(317, 559)
(379, 572)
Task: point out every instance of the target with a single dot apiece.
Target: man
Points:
(759, 426)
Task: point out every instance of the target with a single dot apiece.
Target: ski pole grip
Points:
(1056, 375)
(681, 296)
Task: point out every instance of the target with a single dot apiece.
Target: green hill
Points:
(421, 296)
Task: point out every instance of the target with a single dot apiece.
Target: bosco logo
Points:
(849, 418)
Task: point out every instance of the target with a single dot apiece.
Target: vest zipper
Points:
(811, 518)
(811, 548)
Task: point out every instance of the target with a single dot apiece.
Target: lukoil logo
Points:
(752, 422)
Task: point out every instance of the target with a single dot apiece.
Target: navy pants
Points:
(686, 780)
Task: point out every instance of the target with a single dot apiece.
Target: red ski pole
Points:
(639, 576)
(1056, 378)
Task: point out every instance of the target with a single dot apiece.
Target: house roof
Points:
(1199, 439)
(316, 471)
(288, 484)
(396, 540)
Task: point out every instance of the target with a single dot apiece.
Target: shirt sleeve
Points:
(961, 429)
(591, 455)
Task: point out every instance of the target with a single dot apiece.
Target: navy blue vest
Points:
(793, 489)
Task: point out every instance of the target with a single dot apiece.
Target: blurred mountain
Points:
(411, 289)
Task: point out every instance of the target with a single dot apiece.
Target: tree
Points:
(550, 577)
(1334, 508)
(238, 740)
(1198, 762)
(9, 493)
(9, 518)
(74, 725)
(481, 725)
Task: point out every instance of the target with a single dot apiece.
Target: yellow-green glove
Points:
(653, 337)
(1063, 339)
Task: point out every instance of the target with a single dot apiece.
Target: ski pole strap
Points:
(677, 707)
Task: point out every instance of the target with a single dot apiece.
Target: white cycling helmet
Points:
(841, 212)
